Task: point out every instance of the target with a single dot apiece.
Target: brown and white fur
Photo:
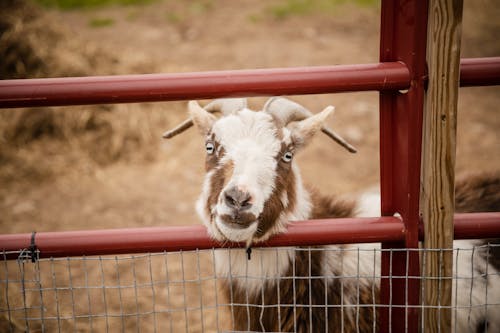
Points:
(251, 191)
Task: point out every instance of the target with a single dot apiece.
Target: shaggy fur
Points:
(307, 295)
(476, 193)
(480, 192)
(322, 289)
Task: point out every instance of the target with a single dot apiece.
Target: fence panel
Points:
(183, 292)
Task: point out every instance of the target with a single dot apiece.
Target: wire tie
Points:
(249, 253)
(33, 248)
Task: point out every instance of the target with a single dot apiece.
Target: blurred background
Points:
(106, 166)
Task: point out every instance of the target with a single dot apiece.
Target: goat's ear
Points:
(304, 130)
(201, 118)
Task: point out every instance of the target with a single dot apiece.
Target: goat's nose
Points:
(237, 199)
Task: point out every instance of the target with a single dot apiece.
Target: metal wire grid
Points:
(182, 291)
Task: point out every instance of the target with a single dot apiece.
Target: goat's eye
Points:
(210, 147)
(287, 157)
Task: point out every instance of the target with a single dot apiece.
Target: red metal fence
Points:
(185, 238)
(383, 76)
(402, 66)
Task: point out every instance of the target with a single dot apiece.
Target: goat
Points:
(251, 191)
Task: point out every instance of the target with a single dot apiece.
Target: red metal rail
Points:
(477, 225)
(480, 72)
(185, 238)
(182, 86)
(138, 240)
(278, 81)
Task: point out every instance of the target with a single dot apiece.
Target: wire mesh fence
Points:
(216, 291)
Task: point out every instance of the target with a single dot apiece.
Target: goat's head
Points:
(251, 183)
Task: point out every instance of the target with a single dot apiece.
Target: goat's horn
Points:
(225, 105)
(285, 111)
(186, 124)
(337, 138)
(178, 129)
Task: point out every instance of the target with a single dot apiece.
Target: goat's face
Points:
(250, 183)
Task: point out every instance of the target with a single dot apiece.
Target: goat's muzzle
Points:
(237, 200)
(239, 203)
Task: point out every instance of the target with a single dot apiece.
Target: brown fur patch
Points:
(306, 303)
(216, 186)
(217, 183)
(480, 193)
(330, 206)
(273, 207)
(212, 160)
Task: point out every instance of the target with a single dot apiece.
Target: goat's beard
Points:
(234, 227)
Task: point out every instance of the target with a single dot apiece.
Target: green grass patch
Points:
(292, 7)
(173, 17)
(101, 22)
(81, 4)
(289, 8)
(183, 11)
(201, 6)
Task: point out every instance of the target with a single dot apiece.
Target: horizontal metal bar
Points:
(159, 239)
(202, 85)
(301, 233)
(480, 72)
(477, 225)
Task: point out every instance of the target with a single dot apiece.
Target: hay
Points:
(33, 44)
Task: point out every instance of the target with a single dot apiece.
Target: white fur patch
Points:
(473, 289)
(202, 201)
(368, 204)
(234, 234)
(265, 266)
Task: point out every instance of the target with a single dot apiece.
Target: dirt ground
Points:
(165, 36)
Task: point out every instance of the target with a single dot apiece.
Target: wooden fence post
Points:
(438, 160)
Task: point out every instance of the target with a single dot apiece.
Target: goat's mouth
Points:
(236, 227)
(238, 220)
